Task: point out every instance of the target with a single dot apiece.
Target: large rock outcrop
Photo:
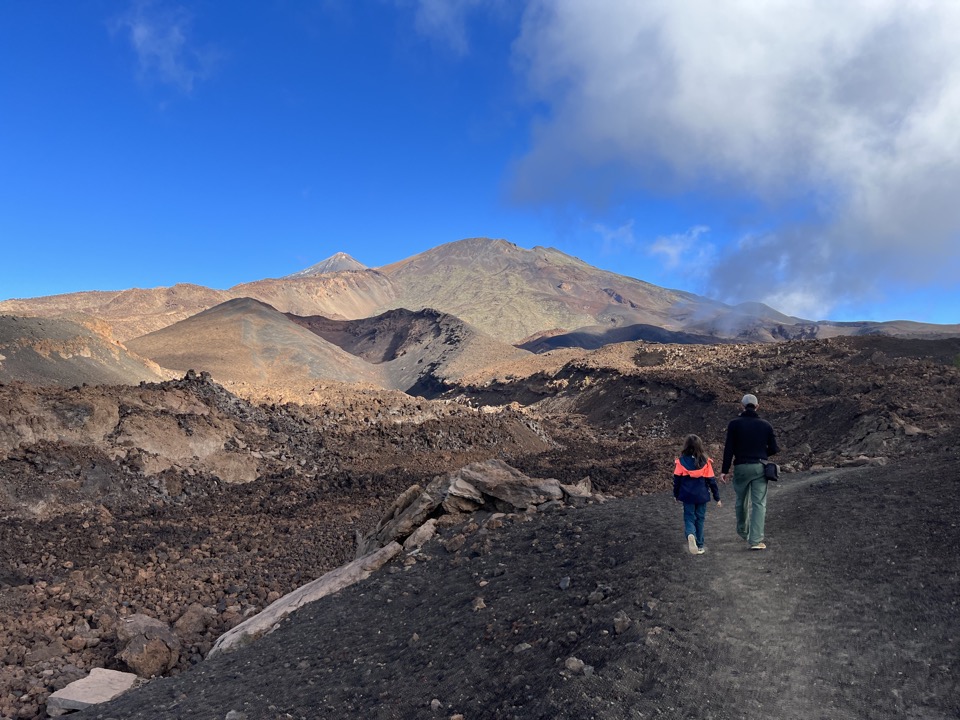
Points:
(491, 485)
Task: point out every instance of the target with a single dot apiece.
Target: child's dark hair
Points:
(693, 445)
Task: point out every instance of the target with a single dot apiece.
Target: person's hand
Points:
(723, 477)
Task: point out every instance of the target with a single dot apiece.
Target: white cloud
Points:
(160, 36)
(614, 239)
(686, 250)
(845, 114)
(446, 20)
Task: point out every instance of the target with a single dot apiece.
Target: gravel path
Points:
(850, 613)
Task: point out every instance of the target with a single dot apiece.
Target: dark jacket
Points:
(693, 483)
(750, 439)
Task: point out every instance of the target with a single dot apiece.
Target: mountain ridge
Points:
(506, 291)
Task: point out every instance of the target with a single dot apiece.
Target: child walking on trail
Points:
(693, 482)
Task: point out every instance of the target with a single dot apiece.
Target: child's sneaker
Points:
(692, 544)
(701, 551)
(758, 546)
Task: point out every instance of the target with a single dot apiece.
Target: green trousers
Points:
(751, 489)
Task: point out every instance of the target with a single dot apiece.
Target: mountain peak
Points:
(338, 262)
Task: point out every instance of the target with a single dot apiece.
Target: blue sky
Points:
(785, 152)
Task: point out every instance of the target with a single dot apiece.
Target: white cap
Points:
(749, 400)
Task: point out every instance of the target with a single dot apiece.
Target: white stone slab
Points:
(98, 687)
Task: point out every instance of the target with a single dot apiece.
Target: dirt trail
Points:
(761, 612)
(850, 613)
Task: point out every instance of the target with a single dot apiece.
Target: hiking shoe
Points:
(701, 551)
(692, 544)
(758, 546)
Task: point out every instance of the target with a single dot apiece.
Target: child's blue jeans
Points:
(693, 517)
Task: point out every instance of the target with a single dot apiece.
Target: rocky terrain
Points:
(599, 612)
(185, 504)
(165, 497)
(175, 462)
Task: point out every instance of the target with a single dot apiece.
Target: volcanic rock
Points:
(99, 686)
(151, 648)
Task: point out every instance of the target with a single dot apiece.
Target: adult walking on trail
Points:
(750, 441)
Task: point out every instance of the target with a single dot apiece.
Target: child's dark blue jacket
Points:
(693, 484)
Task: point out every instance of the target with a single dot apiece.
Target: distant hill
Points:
(512, 293)
(418, 351)
(247, 341)
(47, 351)
(338, 262)
(346, 295)
(130, 313)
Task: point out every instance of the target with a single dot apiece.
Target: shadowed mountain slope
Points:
(49, 351)
(417, 351)
(591, 338)
(247, 341)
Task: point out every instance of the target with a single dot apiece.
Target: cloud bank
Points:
(843, 117)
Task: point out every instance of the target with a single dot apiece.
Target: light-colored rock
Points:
(99, 686)
(447, 500)
(583, 489)
(398, 525)
(502, 482)
(231, 467)
(421, 535)
(334, 581)
(461, 488)
(462, 497)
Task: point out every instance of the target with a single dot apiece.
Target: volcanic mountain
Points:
(247, 343)
(515, 295)
(417, 351)
(338, 262)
